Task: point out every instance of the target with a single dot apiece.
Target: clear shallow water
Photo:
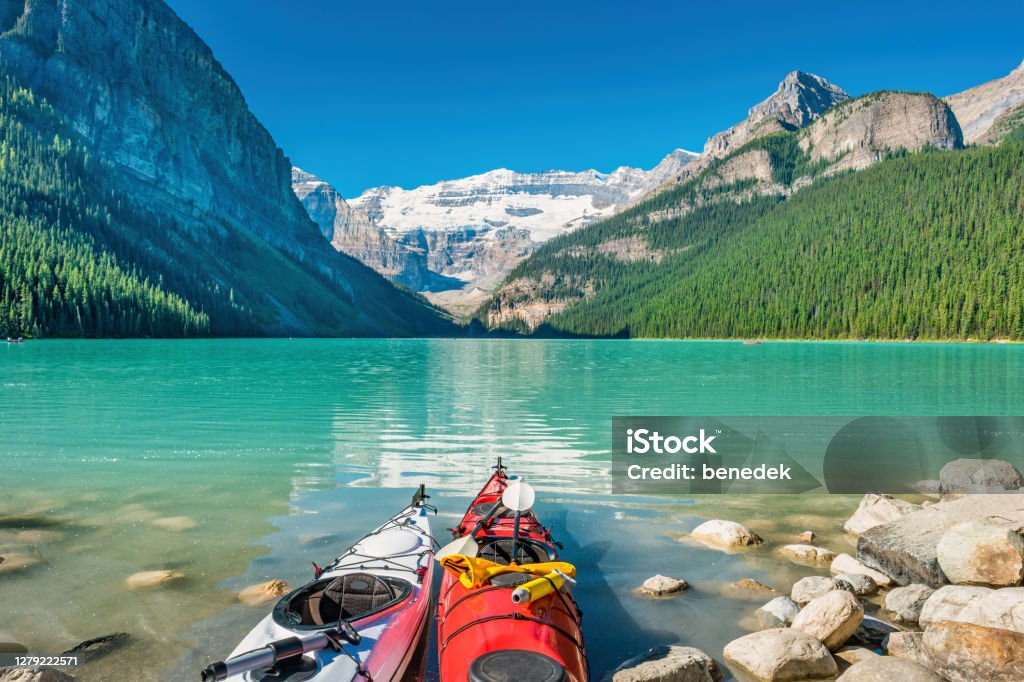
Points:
(283, 452)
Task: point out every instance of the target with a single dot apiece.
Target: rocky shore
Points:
(934, 592)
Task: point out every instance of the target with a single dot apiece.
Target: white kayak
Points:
(360, 620)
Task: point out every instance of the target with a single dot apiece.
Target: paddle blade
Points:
(518, 496)
(465, 545)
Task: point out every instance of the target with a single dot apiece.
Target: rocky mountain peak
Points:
(800, 98)
(988, 111)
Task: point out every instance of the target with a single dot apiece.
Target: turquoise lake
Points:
(238, 461)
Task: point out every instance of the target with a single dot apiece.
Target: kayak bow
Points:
(507, 612)
(360, 618)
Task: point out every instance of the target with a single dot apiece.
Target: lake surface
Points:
(283, 452)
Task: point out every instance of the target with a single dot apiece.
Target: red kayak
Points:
(486, 636)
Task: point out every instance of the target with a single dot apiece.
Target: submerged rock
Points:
(831, 618)
(806, 538)
(979, 476)
(811, 587)
(778, 613)
(963, 652)
(38, 537)
(844, 563)
(660, 585)
(146, 579)
(807, 554)
(12, 562)
(36, 674)
(727, 534)
(888, 669)
(905, 603)
(747, 589)
(667, 664)
(982, 553)
(875, 510)
(175, 524)
(257, 595)
(780, 655)
(99, 646)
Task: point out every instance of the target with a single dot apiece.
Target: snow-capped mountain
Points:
(455, 240)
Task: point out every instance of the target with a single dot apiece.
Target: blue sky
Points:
(408, 93)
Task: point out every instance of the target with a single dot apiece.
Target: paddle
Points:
(518, 497)
(466, 545)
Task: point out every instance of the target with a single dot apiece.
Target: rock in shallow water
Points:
(979, 476)
(257, 595)
(727, 534)
(875, 510)
(811, 587)
(747, 589)
(982, 553)
(145, 579)
(778, 613)
(780, 655)
(12, 562)
(39, 674)
(667, 664)
(175, 524)
(807, 554)
(831, 618)
(661, 585)
(888, 669)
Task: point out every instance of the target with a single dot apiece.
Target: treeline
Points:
(922, 246)
(54, 277)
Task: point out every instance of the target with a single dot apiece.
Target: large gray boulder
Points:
(780, 655)
(875, 510)
(982, 553)
(831, 618)
(979, 476)
(905, 603)
(667, 664)
(964, 652)
(888, 669)
(907, 548)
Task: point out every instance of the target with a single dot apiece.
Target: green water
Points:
(281, 452)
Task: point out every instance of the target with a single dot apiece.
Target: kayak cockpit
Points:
(527, 550)
(352, 596)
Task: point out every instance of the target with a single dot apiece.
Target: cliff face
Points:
(985, 111)
(859, 132)
(147, 97)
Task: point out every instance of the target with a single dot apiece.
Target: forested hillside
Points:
(920, 246)
(56, 277)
